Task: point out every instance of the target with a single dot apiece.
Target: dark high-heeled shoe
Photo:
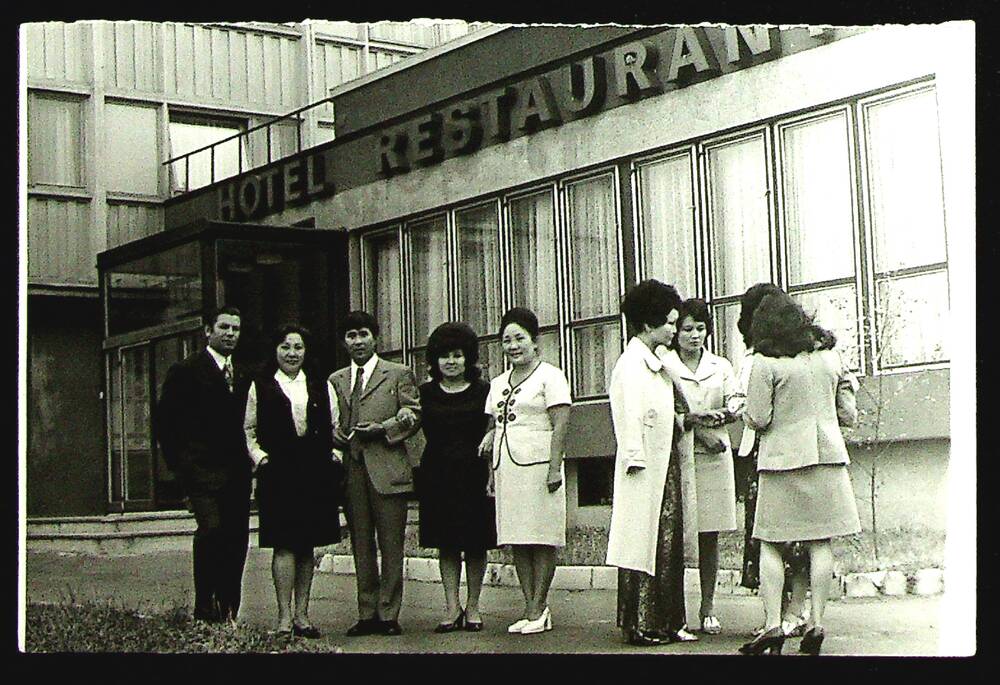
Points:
(769, 643)
(457, 624)
(812, 641)
(641, 638)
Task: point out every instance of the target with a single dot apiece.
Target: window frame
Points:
(872, 278)
(162, 142)
(84, 180)
(856, 280)
(194, 117)
(566, 302)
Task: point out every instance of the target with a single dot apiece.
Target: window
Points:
(429, 286)
(192, 132)
(906, 218)
(130, 140)
(383, 290)
(534, 267)
(738, 228)
(667, 221)
(817, 214)
(480, 301)
(595, 479)
(595, 324)
(56, 143)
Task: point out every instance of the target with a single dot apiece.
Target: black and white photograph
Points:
(460, 336)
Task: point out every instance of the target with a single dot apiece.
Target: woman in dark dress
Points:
(456, 515)
(288, 426)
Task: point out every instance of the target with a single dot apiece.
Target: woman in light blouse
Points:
(288, 425)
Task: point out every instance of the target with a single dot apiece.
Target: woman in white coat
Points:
(646, 540)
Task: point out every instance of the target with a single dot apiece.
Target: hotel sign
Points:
(295, 181)
(628, 73)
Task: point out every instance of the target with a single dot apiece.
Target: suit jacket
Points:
(390, 388)
(796, 404)
(199, 424)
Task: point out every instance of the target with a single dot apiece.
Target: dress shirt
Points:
(369, 368)
(219, 359)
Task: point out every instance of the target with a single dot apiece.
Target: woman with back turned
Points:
(798, 397)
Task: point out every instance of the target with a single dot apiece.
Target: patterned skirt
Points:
(656, 603)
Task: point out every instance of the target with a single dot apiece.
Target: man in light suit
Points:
(379, 408)
(199, 424)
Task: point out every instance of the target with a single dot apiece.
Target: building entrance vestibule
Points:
(153, 293)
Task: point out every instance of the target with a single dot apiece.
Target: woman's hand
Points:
(262, 462)
(486, 444)
(554, 479)
(407, 417)
(709, 419)
(712, 442)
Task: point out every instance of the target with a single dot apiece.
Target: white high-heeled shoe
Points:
(539, 625)
(516, 626)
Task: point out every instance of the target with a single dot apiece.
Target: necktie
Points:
(355, 398)
(227, 372)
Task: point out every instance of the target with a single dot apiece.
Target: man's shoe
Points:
(366, 626)
(391, 628)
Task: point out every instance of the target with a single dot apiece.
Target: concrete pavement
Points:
(584, 621)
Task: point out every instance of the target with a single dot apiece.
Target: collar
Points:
(639, 348)
(706, 366)
(220, 361)
(369, 368)
(284, 381)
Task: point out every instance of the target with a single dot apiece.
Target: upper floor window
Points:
(132, 149)
(56, 142)
(190, 132)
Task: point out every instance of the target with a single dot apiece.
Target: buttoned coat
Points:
(390, 388)
(797, 405)
(642, 410)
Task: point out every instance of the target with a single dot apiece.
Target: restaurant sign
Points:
(664, 61)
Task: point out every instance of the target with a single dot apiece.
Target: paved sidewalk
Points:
(584, 620)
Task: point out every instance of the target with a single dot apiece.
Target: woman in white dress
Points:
(709, 383)
(530, 405)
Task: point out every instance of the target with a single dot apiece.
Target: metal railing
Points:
(210, 150)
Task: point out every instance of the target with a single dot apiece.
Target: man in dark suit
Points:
(379, 408)
(199, 423)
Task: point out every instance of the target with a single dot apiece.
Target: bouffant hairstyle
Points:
(781, 328)
(278, 336)
(650, 303)
(697, 309)
(523, 317)
(357, 320)
(453, 335)
(748, 305)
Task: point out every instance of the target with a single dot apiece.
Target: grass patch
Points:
(902, 549)
(97, 627)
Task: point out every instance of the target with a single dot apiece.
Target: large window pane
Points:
(593, 246)
(817, 204)
(729, 340)
(738, 215)
(904, 177)
(549, 348)
(429, 282)
(596, 349)
(136, 419)
(158, 289)
(115, 434)
(55, 140)
(667, 204)
(383, 291)
(533, 244)
(911, 319)
(131, 148)
(480, 305)
(491, 358)
(836, 309)
(189, 134)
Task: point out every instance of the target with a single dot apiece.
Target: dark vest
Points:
(276, 428)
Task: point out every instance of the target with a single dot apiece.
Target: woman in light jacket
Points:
(798, 397)
(709, 382)
(646, 539)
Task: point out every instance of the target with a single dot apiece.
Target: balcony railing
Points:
(243, 151)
